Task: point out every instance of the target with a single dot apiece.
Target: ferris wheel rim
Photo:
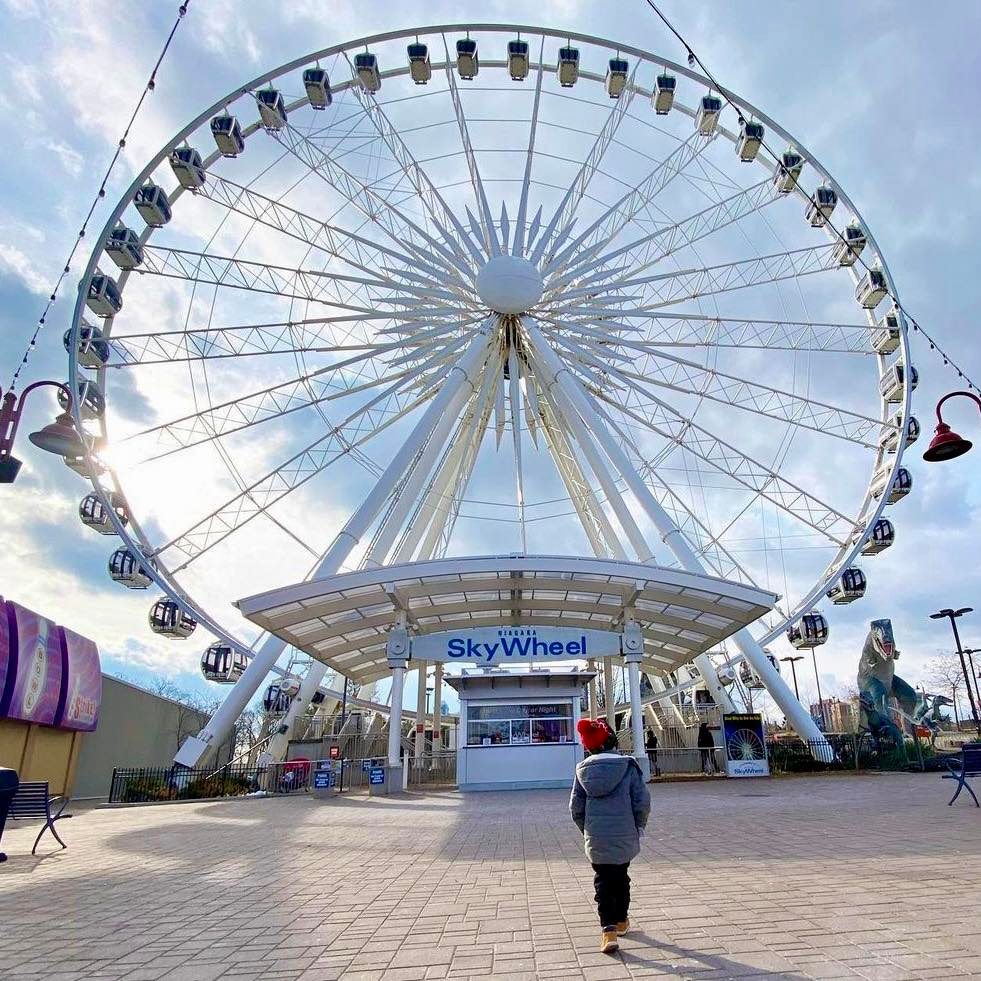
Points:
(141, 546)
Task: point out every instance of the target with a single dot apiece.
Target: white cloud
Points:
(16, 263)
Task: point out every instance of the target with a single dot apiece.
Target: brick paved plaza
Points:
(870, 877)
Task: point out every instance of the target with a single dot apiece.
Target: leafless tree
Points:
(944, 672)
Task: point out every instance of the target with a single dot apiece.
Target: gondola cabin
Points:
(871, 288)
(95, 515)
(518, 60)
(467, 62)
(169, 619)
(317, 85)
(567, 68)
(707, 117)
(420, 70)
(366, 68)
(749, 677)
(787, 172)
(223, 664)
(91, 467)
(126, 570)
(188, 167)
(279, 695)
(891, 383)
(727, 675)
(662, 98)
(810, 631)
(886, 336)
(152, 204)
(228, 135)
(848, 587)
(883, 535)
(103, 297)
(750, 140)
(123, 247)
(850, 243)
(889, 437)
(774, 663)
(616, 77)
(822, 204)
(90, 399)
(272, 109)
(899, 485)
(93, 348)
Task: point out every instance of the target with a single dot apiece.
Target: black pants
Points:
(612, 893)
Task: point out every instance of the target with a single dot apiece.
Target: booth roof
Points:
(344, 620)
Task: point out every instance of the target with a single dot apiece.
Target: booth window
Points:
(519, 725)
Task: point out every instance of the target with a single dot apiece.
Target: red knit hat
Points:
(593, 734)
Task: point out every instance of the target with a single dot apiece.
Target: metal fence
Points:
(146, 784)
(850, 751)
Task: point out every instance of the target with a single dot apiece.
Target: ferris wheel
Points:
(306, 263)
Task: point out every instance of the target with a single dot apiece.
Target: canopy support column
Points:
(609, 686)
(632, 645)
(438, 711)
(420, 746)
(593, 706)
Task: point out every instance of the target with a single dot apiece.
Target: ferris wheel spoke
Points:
(439, 211)
(521, 221)
(560, 225)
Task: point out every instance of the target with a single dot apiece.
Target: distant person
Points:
(650, 744)
(706, 744)
(610, 805)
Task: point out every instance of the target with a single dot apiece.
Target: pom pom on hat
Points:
(593, 734)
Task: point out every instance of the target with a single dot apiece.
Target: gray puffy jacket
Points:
(610, 804)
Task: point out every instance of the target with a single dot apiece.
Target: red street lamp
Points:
(59, 437)
(947, 444)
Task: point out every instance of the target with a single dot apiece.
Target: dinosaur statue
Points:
(878, 682)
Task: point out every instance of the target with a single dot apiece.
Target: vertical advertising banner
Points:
(83, 686)
(745, 745)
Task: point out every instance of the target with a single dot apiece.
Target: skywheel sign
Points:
(501, 646)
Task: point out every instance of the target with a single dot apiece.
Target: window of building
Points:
(519, 725)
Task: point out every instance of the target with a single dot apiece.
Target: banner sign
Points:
(510, 645)
(48, 675)
(745, 744)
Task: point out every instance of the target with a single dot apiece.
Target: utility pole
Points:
(953, 616)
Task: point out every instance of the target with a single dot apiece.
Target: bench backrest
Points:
(31, 799)
(972, 758)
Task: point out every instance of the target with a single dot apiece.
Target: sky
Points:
(880, 94)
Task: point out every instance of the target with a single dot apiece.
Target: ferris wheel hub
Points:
(509, 284)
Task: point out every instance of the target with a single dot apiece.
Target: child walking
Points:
(610, 804)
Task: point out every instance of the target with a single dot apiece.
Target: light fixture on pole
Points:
(946, 444)
(953, 616)
(59, 437)
(793, 670)
(970, 652)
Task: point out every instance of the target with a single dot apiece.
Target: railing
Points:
(848, 751)
(432, 769)
(147, 784)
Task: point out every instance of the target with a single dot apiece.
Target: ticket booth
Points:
(518, 728)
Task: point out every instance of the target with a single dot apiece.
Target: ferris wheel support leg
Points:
(459, 384)
(609, 694)
(796, 714)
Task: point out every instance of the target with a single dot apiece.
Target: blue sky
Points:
(881, 93)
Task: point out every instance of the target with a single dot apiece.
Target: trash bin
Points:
(9, 782)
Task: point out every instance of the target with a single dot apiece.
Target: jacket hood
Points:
(602, 773)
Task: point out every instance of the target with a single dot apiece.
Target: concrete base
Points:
(392, 784)
(564, 784)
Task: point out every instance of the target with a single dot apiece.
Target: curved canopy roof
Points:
(343, 620)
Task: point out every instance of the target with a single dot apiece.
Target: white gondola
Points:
(95, 515)
(616, 77)
(188, 167)
(891, 383)
(279, 695)
(899, 486)
(223, 664)
(662, 98)
(518, 60)
(727, 675)
(850, 243)
(810, 631)
(823, 202)
(82, 466)
(272, 109)
(366, 68)
(749, 677)
(123, 247)
(882, 535)
(848, 587)
(152, 204)
(124, 569)
(871, 288)
(885, 338)
(90, 399)
(707, 117)
(169, 619)
(787, 172)
(228, 135)
(93, 348)
(889, 437)
(750, 140)
(420, 69)
(567, 68)
(103, 297)
(317, 84)
(467, 62)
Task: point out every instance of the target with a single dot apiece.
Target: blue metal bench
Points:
(33, 801)
(969, 765)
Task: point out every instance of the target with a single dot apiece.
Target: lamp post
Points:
(792, 661)
(946, 444)
(58, 437)
(953, 616)
(970, 652)
(817, 681)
